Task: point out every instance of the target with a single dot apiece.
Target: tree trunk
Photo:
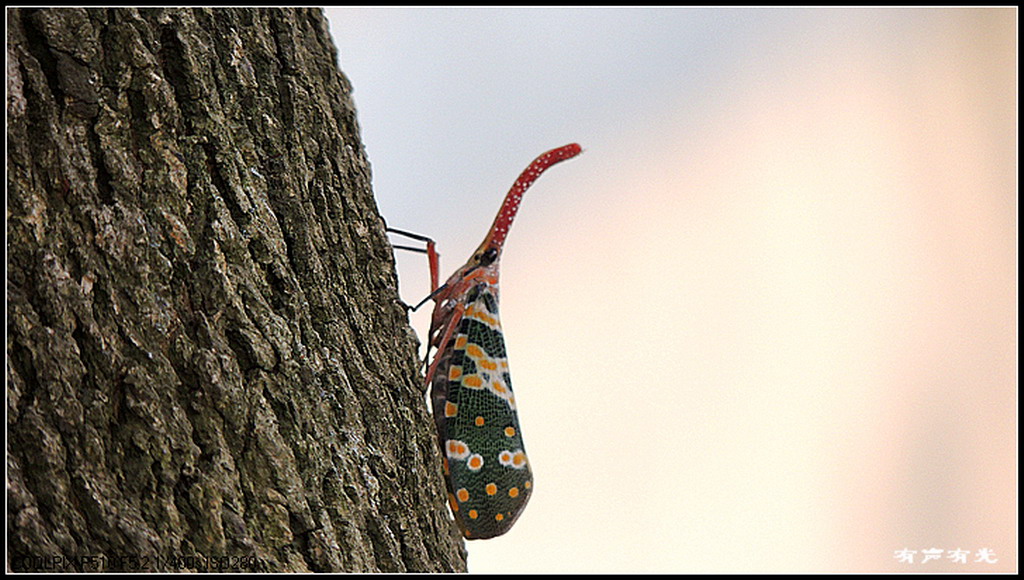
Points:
(208, 365)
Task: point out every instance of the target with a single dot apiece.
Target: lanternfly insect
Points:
(488, 476)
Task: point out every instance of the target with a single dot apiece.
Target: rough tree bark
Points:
(208, 365)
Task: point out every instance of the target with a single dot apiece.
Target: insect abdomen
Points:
(488, 476)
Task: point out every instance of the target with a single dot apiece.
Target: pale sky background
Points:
(767, 322)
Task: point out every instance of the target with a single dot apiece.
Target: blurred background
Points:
(767, 322)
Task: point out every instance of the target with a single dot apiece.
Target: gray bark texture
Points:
(208, 367)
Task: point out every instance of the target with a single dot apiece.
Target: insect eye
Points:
(489, 256)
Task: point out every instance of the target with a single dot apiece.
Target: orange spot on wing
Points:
(519, 459)
(483, 316)
(475, 462)
(491, 489)
(457, 449)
